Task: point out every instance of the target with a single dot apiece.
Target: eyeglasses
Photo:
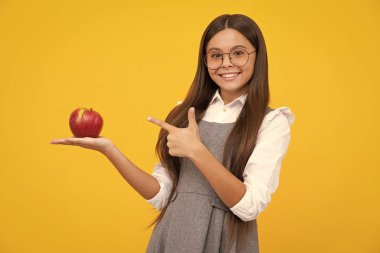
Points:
(238, 57)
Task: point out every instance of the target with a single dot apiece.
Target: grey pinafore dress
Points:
(196, 219)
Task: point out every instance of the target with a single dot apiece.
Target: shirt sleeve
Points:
(163, 178)
(261, 174)
(165, 182)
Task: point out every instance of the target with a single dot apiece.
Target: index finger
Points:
(161, 123)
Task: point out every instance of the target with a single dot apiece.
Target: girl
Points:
(220, 150)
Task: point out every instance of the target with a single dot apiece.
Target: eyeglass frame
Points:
(229, 57)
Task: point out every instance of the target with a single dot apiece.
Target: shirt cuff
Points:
(246, 209)
(160, 173)
(157, 200)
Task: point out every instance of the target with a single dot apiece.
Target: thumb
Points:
(192, 120)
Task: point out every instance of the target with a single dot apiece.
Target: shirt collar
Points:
(217, 96)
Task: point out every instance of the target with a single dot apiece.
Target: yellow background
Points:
(128, 60)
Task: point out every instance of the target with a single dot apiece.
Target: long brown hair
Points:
(241, 141)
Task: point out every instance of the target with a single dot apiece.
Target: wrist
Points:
(197, 151)
(109, 149)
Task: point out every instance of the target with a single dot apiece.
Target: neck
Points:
(228, 97)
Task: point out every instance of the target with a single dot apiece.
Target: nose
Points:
(226, 62)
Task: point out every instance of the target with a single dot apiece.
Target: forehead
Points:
(228, 38)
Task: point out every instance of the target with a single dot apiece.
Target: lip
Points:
(229, 73)
(229, 78)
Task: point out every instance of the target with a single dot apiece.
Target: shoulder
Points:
(281, 115)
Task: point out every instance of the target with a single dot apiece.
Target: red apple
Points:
(85, 123)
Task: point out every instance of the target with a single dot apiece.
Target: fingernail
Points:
(149, 118)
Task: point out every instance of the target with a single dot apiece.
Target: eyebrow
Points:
(215, 48)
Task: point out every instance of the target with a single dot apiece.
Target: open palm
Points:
(100, 144)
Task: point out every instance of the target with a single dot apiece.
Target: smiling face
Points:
(231, 86)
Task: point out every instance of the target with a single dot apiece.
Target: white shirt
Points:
(262, 171)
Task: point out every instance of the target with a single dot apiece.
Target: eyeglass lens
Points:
(238, 57)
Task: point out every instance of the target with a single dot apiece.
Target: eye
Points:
(216, 55)
(238, 52)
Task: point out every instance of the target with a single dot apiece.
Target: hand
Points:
(100, 144)
(182, 142)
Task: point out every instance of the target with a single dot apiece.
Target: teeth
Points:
(230, 75)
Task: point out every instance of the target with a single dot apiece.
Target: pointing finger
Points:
(161, 123)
